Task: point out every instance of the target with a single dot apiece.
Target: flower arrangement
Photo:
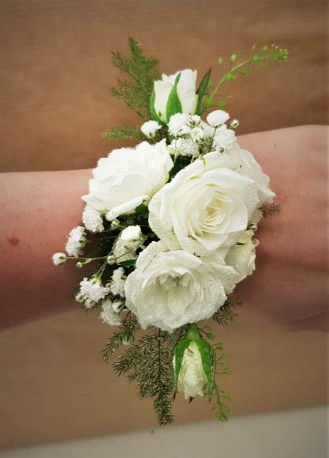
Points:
(169, 226)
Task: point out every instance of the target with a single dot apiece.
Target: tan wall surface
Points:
(54, 80)
(56, 70)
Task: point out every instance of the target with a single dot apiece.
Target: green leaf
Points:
(154, 114)
(173, 104)
(128, 263)
(141, 209)
(179, 351)
(202, 90)
(140, 73)
(208, 359)
(119, 133)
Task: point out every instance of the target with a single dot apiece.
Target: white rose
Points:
(171, 288)
(215, 260)
(251, 169)
(242, 256)
(186, 91)
(92, 219)
(150, 128)
(204, 207)
(191, 378)
(217, 118)
(127, 177)
(243, 162)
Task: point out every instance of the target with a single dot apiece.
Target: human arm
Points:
(38, 209)
(289, 285)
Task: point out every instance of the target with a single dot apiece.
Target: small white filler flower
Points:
(92, 219)
(91, 291)
(76, 241)
(59, 258)
(217, 118)
(109, 315)
(150, 129)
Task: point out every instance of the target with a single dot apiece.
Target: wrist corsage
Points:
(169, 228)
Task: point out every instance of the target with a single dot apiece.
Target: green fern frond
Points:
(269, 209)
(125, 333)
(140, 72)
(148, 362)
(121, 133)
(226, 314)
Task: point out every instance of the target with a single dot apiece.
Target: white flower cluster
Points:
(193, 137)
(74, 245)
(200, 219)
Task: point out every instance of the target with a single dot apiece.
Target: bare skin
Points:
(288, 288)
(290, 284)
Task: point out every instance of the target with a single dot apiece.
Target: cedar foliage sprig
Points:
(269, 209)
(125, 333)
(140, 73)
(221, 396)
(226, 314)
(118, 133)
(148, 362)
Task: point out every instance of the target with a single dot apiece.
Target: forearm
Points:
(38, 210)
(289, 286)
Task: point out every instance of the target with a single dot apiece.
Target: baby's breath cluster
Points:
(168, 231)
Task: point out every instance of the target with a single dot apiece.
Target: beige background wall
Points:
(55, 74)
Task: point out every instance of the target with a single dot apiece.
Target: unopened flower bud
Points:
(79, 297)
(117, 306)
(191, 379)
(111, 259)
(115, 224)
(59, 258)
(89, 303)
(127, 340)
(235, 123)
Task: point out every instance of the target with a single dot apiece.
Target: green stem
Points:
(193, 332)
(236, 68)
